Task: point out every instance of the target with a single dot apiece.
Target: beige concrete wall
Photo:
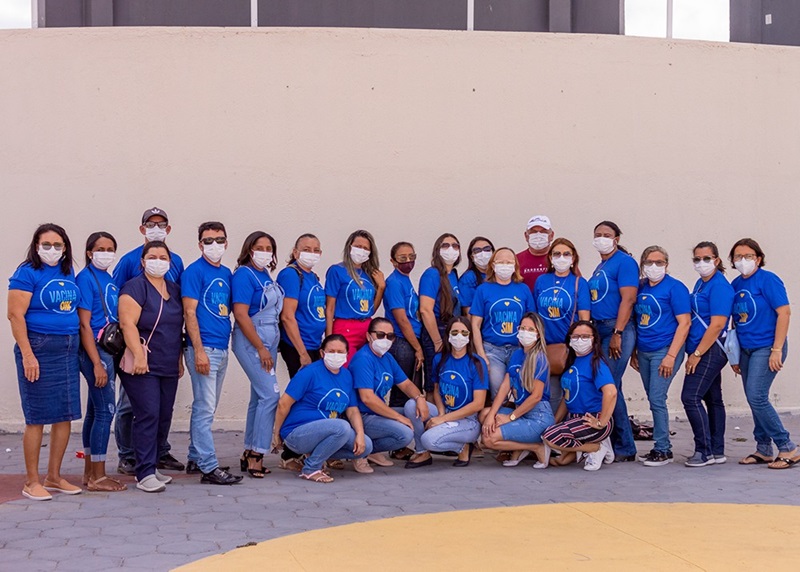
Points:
(405, 133)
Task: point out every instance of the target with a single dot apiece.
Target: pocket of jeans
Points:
(37, 341)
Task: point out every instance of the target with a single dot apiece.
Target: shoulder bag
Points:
(109, 338)
(126, 363)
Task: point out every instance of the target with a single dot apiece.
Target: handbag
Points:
(557, 353)
(731, 346)
(126, 363)
(109, 338)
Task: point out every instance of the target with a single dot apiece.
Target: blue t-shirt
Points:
(165, 344)
(256, 289)
(755, 301)
(458, 380)
(130, 266)
(54, 301)
(353, 302)
(467, 285)
(429, 286)
(376, 373)
(400, 294)
(712, 298)
(502, 308)
(656, 309)
(515, 371)
(617, 272)
(318, 394)
(211, 286)
(555, 303)
(92, 298)
(310, 313)
(582, 388)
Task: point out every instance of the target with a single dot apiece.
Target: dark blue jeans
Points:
(429, 350)
(621, 436)
(705, 386)
(100, 407)
(404, 355)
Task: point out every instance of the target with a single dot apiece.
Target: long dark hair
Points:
(617, 233)
(597, 346)
(246, 258)
(32, 257)
(446, 302)
(447, 349)
(371, 265)
(714, 250)
(752, 244)
(92, 240)
(471, 263)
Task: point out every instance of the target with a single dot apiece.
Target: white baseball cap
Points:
(539, 220)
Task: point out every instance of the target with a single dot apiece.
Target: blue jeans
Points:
(264, 392)
(429, 350)
(656, 388)
(705, 385)
(206, 391)
(757, 379)
(325, 439)
(622, 436)
(100, 406)
(499, 358)
(449, 436)
(529, 427)
(386, 434)
(406, 358)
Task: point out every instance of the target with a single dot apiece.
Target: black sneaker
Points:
(170, 463)
(220, 477)
(126, 467)
(644, 456)
(192, 468)
(657, 459)
(624, 458)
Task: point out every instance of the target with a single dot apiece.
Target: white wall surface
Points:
(405, 133)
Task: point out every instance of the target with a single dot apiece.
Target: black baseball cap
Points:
(155, 211)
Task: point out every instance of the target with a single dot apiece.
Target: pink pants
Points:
(354, 331)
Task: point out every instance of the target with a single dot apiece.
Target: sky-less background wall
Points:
(405, 133)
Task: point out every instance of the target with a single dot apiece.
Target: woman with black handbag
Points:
(97, 311)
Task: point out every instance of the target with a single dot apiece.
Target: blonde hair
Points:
(516, 277)
(527, 373)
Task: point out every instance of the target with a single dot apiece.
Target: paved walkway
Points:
(138, 531)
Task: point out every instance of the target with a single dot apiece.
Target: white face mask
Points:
(481, 259)
(458, 342)
(156, 268)
(504, 271)
(527, 338)
(581, 347)
(50, 257)
(603, 244)
(705, 269)
(334, 361)
(449, 255)
(380, 347)
(745, 267)
(655, 273)
(260, 258)
(155, 234)
(359, 255)
(538, 240)
(562, 264)
(214, 252)
(308, 259)
(103, 260)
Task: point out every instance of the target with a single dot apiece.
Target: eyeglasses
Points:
(738, 257)
(697, 259)
(381, 335)
(561, 255)
(462, 333)
(406, 258)
(576, 337)
(162, 225)
(479, 249)
(453, 245)
(59, 246)
(659, 263)
(208, 241)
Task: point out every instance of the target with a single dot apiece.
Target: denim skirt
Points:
(56, 395)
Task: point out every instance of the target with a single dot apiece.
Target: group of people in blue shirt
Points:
(520, 354)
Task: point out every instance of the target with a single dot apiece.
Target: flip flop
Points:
(518, 460)
(756, 460)
(788, 463)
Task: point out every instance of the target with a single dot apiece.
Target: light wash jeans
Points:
(656, 388)
(499, 358)
(449, 436)
(325, 439)
(622, 436)
(757, 379)
(100, 406)
(529, 427)
(386, 434)
(206, 390)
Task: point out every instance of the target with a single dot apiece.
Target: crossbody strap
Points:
(158, 318)
(575, 307)
(102, 295)
(702, 321)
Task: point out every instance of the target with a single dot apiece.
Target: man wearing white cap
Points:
(533, 260)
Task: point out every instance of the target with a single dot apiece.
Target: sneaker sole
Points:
(693, 466)
(656, 464)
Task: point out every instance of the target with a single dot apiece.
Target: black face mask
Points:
(406, 267)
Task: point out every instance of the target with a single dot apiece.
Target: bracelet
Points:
(420, 396)
(670, 355)
(776, 350)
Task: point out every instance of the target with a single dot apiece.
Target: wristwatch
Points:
(697, 353)
(512, 417)
(616, 332)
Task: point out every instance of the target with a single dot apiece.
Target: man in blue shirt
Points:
(155, 226)
(206, 294)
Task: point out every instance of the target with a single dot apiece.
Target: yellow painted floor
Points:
(576, 536)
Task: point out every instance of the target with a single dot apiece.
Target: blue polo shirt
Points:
(467, 285)
(542, 373)
(130, 266)
(617, 272)
(54, 301)
(656, 309)
(310, 313)
(376, 373)
(458, 380)
(755, 302)
(582, 388)
(429, 286)
(400, 295)
(93, 295)
(211, 286)
(712, 298)
(501, 307)
(555, 303)
(353, 302)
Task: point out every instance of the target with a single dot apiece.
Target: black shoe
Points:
(657, 459)
(460, 463)
(170, 463)
(418, 464)
(645, 456)
(624, 458)
(126, 467)
(220, 477)
(192, 468)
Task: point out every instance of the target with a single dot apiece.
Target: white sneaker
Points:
(166, 479)
(720, 459)
(594, 461)
(150, 484)
(608, 450)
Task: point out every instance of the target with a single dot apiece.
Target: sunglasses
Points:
(381, 335)
(479, 249)
(738, 257)
(462, 333)
(162, 225)
(47, 245)
(208, 241)
(697, 259)
(659, 263)
(453, 245)
(561, 255)
(406, 258)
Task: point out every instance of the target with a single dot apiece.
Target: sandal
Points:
(243, 460)
(783, 462)
(113, 485)
(295, 464)
(317, 477)
(257, 472)
(337, 464)
(755, 460)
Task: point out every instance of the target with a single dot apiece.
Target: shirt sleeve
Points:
(603, 376)
(542, 368)
(298, 385)
(87, 287)
(775, 291)
(584, 299)
(290, 282)
(333, 281)
(393, 296)
(530, 303)
(350, 389)
(476, 309)
(628, 272)
(241, 288)
(192, 283)
(122, 272)
(362, 372)
(429, 283)
(136, 290)
(679, 298)
(23, 279)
